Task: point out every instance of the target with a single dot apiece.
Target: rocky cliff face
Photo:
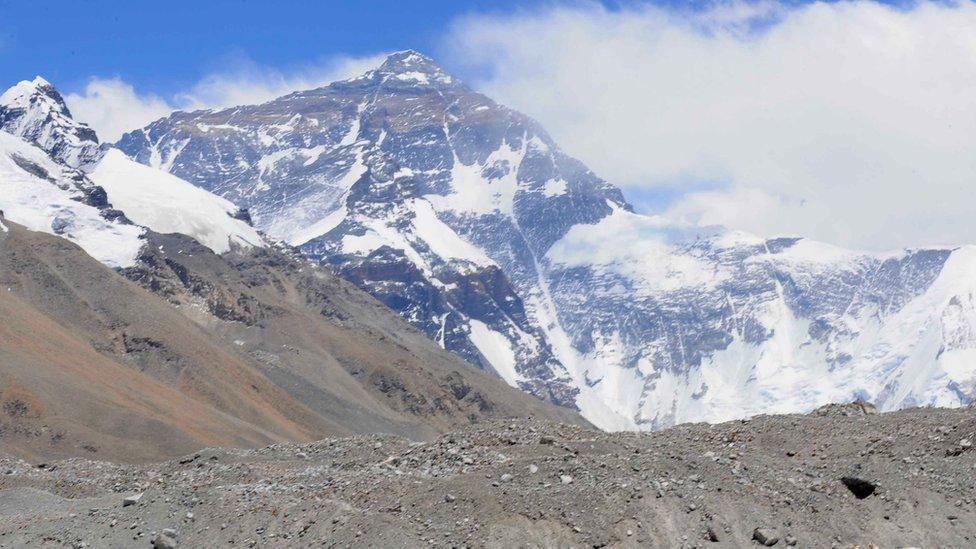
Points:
(466, 218)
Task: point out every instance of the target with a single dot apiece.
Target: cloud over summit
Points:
(850, 122)
(112, 106)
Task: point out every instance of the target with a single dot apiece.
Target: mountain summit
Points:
(35, 111)
(466, 218)
(412, 67)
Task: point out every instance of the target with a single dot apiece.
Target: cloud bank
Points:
(850, 122)
(112, 107)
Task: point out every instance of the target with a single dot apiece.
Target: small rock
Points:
(131, 500)
(765, 536)
(711, 535)
(789, 540)
(566, 479)
(506, 477)
(533, 469)
(449, 498)
(162, 541)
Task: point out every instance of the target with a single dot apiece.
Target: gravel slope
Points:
(531, 484)
(246, 349)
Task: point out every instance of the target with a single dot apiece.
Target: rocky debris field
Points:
(842, 476)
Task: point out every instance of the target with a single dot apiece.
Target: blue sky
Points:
(166, 46)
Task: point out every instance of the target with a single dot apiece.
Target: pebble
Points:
(765, 536)
(131, 500)
(162, 541)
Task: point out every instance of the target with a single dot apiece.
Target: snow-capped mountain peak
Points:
(34, 111)
(23, 93)
(411, 67)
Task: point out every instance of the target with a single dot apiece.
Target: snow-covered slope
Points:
(466, 218)
(35, 112)
(44, 195)
(167, 204)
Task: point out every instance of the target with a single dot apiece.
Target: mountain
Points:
(36, 111)
(345, 173)
(466, 218)
(145, 318)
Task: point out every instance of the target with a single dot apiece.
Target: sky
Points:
(849, 122)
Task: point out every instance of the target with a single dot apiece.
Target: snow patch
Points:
(441, 239)
(320, 227)
(554, 187)
(168, 204)
(496, 348)
(43, 205)
(474, 193)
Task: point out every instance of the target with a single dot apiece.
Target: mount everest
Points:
(467, 219)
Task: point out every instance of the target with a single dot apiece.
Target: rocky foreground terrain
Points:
(842, 476)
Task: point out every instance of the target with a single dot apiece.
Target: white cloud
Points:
(249, 83)
(112, 107)
(849, 122)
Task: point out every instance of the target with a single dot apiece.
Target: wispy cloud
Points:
(851, 122)
(247, 82)
(112, 106)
